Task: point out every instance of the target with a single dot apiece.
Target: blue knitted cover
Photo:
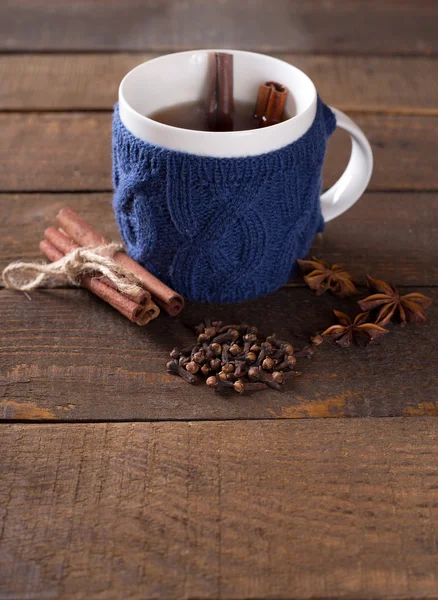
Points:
(220, 229)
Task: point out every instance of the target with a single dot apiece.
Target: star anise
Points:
(320, 277)
(359, 331)
(410, 307)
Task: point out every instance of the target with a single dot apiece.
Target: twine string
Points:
(28, 276)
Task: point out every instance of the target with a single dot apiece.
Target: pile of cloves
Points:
(233, 357)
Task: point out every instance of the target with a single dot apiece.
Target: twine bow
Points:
(28, 276)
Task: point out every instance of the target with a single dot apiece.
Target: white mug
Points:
(181, 77)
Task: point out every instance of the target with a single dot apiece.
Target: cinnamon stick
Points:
(220, 102)
(262, 101)
(63, 243)
(211, 101)
(150, 311)
(270, 103)
(132, 310)
(85, 234)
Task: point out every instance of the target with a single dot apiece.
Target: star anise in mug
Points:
(358, 331)
(410, 307)
(320, 277)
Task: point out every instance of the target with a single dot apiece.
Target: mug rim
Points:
(248, 142)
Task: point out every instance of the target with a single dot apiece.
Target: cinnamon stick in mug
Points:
(220, 103)
(270, 104)
(85, 234)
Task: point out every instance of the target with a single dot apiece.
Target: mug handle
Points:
(354, 180)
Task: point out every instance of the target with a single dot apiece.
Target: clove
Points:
(250, 357)
(241, 386)
(205, 370)
(235, 349)
(228, 367)
(192, 367)
(241, 368)
(268, 363)
(241, 327)
(173, 367)
(184, 360)
(215, 364)
(216, 348)
(175, 353)
(227, 336)
(199, 357)
(278, 376)
(257, 374)
(219, 385)
(225, 349)
(288, 363)
(265, 351)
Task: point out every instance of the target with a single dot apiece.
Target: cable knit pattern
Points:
(220, 229)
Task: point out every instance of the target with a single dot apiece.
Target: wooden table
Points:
(119, 481)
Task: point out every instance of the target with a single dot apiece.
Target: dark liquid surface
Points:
(192, 115)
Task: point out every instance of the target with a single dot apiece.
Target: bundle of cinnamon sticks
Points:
(139, 307)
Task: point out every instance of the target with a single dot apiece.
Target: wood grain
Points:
(392, 235)
(72, 152)
(90, 81)
(65, 151)
(348, 26)
(299, 501)
(220, 510)
(64, 355)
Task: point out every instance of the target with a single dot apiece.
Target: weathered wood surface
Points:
(65, 355)
(315, 506)
(407, 85)
(393, 235)
(72, 152)
(385, 27)
(288, 510)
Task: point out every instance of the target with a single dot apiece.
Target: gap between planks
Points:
(5, 422)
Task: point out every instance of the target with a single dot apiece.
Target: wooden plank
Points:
(64, 355)
(220, 510)
(90, 81)
(349, 26)
(394, 235)
(72, 152)
(65, 151)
